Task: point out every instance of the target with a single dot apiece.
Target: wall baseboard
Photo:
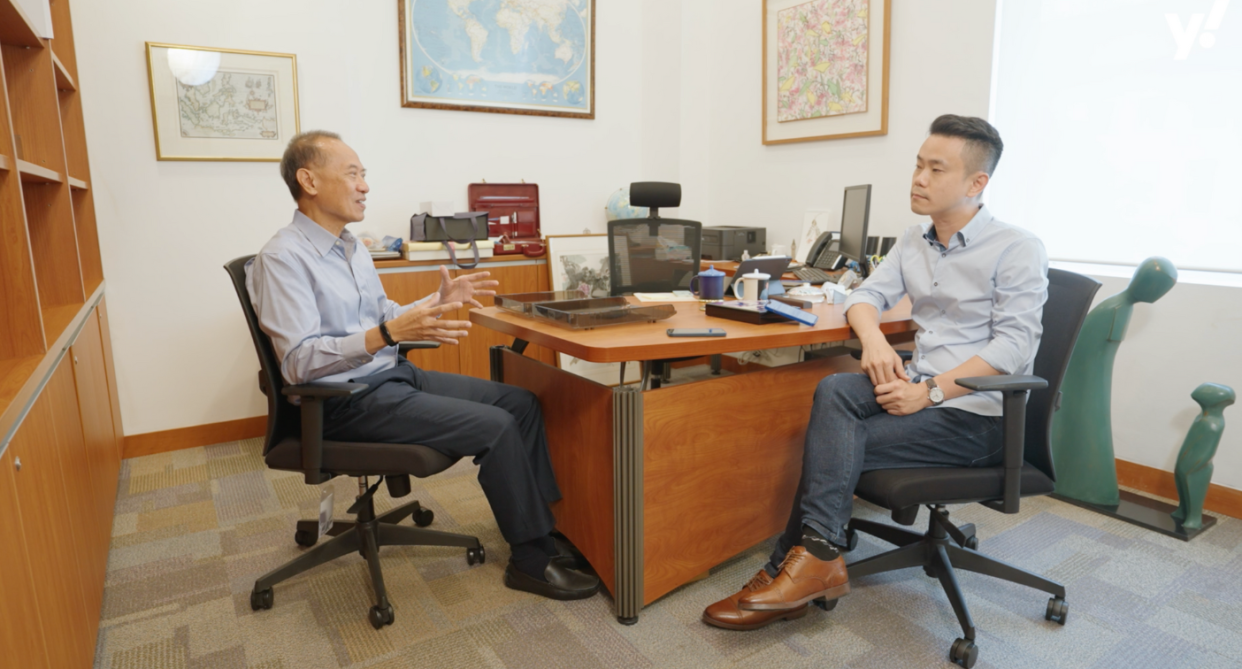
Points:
(1220, 499)
(192, 437)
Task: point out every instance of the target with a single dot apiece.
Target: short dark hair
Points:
(983, 144)
(303, 151)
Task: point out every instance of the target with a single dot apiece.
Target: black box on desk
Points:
(726, 242)
(745, 314)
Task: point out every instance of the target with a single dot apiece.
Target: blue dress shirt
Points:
(316, 295)
(981, 295)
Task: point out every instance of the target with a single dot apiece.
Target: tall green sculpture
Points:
(1194, 462)
(1082, 431)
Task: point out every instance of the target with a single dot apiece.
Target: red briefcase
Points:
(512, 213)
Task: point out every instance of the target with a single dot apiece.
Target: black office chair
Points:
(653, 254)
(641, 259)
(1027, 470)
(295, 443)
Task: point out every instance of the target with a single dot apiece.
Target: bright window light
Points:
(1122, 123)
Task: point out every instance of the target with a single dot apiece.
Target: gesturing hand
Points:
(882, 363)
(902, 398)
(422, 323)
(465, 287)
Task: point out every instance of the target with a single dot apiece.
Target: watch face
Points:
(936, 395)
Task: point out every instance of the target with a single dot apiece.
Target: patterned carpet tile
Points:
(194, 528)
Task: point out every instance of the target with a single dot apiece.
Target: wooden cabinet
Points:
(21, 635)
(58, 411)
(405, 282)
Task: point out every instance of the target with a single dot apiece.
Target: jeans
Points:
(501, 426)
(849, 434)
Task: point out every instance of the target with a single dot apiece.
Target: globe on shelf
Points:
(618, 206)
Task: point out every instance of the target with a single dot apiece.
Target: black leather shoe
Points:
(569, 556)
(562, 583)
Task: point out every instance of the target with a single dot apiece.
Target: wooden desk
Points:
(661, 485)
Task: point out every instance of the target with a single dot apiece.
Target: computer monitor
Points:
(854, 215)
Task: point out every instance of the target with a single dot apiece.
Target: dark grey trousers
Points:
(500, 426)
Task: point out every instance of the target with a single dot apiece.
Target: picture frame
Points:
(814, 101)
(574, 262)
(452, 59)
(210, 104)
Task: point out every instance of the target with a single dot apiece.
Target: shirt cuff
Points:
(863, 297)
(999, 357)
(354, 349)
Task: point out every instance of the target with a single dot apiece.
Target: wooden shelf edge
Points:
(34, 173)
(4, 163)
(64, 81)
(78, 184)
(14, 409)
(15, 28)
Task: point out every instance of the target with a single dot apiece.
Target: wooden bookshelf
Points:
(59, 413)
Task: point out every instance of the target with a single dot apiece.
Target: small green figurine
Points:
(1194, 462)
(1082, 431)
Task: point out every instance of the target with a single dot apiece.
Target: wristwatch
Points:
(383, 328)
(934, 393)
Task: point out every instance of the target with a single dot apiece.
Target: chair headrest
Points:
(655, 194)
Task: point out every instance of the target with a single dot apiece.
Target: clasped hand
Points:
(893, 389)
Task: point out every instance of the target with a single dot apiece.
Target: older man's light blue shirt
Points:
(316, 296)
(981, 295)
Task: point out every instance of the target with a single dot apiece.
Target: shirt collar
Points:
(321, 240)
(967, 234)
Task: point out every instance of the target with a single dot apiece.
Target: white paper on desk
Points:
(664, 297)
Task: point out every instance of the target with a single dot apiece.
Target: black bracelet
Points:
(383, 326)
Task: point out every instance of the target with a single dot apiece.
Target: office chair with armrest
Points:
(1026, 471)
(295, 443)
(653, 254)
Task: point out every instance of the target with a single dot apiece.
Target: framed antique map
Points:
(825, 69)
(221, 104)
(502, 56)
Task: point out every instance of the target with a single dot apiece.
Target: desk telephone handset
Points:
(825, 254)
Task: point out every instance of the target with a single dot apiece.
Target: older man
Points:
(319, 298)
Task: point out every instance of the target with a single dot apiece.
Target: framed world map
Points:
(221, 104)
(502, 56)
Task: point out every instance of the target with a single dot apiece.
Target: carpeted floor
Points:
(194, 528)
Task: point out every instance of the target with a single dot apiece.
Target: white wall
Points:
(678, 99)
(167, 228)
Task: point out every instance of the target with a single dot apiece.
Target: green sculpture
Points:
(1082, 431)
(1194, 462)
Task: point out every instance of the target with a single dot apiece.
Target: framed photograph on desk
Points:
(580, 262)
(221, 104)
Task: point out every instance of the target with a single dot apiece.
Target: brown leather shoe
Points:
(726, 614)
(803, 577)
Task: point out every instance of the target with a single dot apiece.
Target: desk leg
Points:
(497, 354)
(627, 459)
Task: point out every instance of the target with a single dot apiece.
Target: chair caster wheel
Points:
(380, 617)
(972, 543)
(964, 652)
(1058, 610)
(261, 599)
(306, 538)
(851, 539)
(424, 516)
(825, 604)
(931, 573)
(476, 556)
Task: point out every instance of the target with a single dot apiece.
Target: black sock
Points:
(817, 545)
(531, 559)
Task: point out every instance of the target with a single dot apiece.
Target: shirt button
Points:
(936, 284)
(942, 255)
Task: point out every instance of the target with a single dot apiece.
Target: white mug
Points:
(753, 286)
(778, 250)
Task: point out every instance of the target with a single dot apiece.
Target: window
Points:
(1122, 122)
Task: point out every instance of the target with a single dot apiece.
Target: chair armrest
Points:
(313, 395)
(404, 347)
(906, 356)
(1003, 383)
(323, 390)
(1014, 388)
